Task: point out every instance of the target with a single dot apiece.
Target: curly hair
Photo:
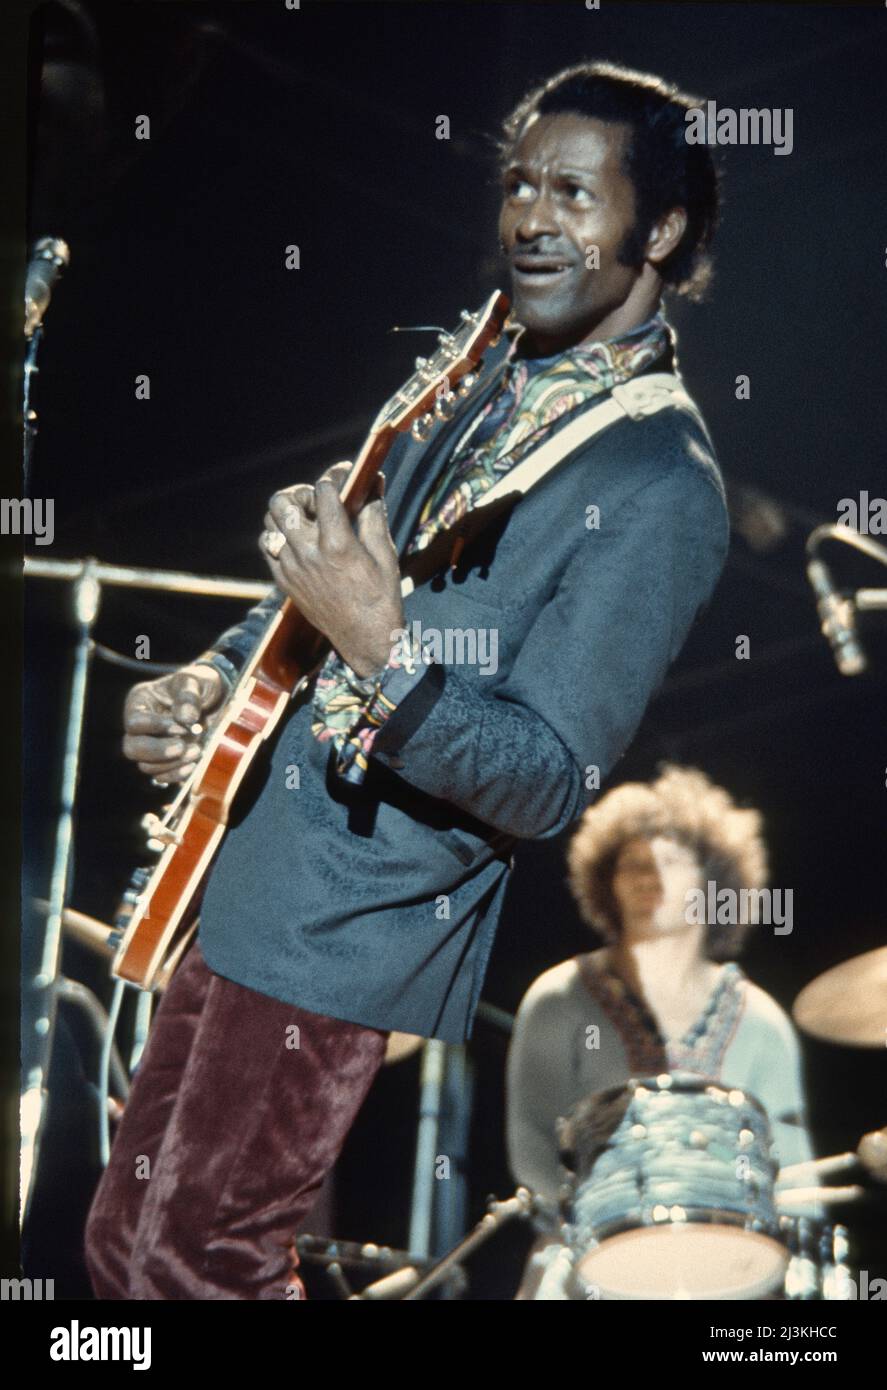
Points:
(683, 805)
(665, 170)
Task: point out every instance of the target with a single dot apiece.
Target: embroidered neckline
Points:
(629, 1015)
(701, 1047)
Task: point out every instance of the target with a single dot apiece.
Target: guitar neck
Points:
(290, 647)
(191, 831)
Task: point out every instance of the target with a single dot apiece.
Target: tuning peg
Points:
(421, 428)
(420, 363)
(467, 384)
(444, 406)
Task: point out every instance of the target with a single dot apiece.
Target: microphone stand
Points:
(864, 600)
(836, 612)
(44, 986)
(498, 1213)
(44, 989)
(49, 256)
(29, 416)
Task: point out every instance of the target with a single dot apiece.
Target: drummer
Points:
(664, 994)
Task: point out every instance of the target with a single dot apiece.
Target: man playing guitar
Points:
(360, 881)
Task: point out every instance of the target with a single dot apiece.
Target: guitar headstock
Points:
(433, 390)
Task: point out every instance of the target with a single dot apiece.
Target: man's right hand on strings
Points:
(163, 720)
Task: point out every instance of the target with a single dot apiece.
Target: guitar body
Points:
(158, 914)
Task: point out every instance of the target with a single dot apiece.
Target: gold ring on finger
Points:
(273, 541)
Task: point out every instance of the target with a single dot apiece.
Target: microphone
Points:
(837, 620)
(48, 256)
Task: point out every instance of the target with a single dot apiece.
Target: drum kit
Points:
(674, 1192)
(673, 1189)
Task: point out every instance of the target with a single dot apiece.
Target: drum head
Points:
(685, 1261)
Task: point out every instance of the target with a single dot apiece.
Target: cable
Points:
(130, 663)
(104, 1073)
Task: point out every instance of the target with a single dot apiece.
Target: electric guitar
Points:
(158, 914)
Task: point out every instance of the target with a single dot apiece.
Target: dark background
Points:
(316, 127)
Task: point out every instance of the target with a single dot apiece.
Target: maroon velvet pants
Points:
(238, 1110)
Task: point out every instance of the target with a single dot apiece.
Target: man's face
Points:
(564, 192)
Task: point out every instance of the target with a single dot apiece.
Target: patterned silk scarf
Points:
(536, 396)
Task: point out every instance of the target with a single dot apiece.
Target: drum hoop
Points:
(698, 1216)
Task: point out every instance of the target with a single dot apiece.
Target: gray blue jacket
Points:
(378, 903)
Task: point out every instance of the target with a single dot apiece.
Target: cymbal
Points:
(847, 1004)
